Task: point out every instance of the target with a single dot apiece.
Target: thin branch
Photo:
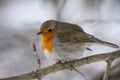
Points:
(109, 62)
(37, 59)
(60, 9)
(58, 67)
(36, 55)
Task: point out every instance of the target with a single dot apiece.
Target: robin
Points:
(65, 42)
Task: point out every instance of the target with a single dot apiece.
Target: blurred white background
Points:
(20, 20)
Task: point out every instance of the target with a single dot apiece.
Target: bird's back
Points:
(68, 30)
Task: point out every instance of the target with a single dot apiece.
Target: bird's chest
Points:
(66, 49)
(65, 52)
(51, 55)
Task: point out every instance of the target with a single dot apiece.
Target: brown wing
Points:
(86, 38)
(77, 37)
(82, 37)
(68, 29)
(75, 34)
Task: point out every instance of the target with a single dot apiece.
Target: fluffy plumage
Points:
(65, 41)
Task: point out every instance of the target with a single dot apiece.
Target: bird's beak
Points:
(39, 33)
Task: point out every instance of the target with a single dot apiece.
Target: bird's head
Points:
(48, 31)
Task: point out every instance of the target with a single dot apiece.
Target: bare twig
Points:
(36, 55)
(109, 62)
(37, 59)
(78, 71)
(60, 9)
(58, 67)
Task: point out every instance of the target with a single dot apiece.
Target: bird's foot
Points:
(59, 62)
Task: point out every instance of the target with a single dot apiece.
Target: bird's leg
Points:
(59, 62)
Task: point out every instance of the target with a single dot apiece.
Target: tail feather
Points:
(108, 44)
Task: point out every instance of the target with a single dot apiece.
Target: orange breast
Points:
(47, 41)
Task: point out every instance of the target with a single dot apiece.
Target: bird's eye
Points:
(49, 30)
